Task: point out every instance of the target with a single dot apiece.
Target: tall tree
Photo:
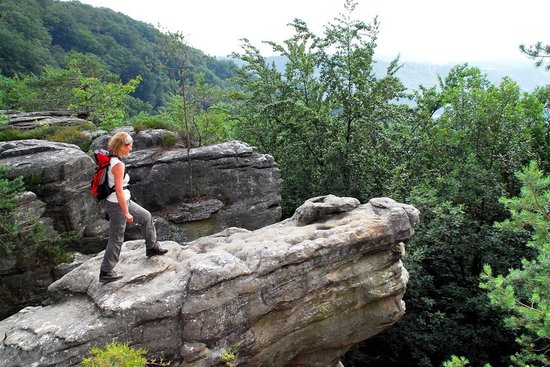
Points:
(466, 139)
(324, 117)
(39, 33)
(525, 291)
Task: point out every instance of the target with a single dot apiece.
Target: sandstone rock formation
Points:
(59, 174)
(212, 188)
(23, 281)
(192, 195)
(289, 294)
(206, 190)
(32, 120)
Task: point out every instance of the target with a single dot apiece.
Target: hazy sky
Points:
(435, 31)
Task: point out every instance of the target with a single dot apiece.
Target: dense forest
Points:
(472, 155)
(39, 33)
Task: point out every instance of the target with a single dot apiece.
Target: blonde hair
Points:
(117, 141)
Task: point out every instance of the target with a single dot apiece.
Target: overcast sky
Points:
(434, 31)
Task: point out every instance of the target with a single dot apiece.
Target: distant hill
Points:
(413, 74)
(525, 74)
(39, 33)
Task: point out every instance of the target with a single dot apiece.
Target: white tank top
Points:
(112, 197)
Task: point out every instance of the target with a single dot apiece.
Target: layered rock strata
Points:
(296, 293)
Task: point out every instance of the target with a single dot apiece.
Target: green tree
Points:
(524, 292)
(51, 90)
(200, 108)
(324, 118)
(541, 130)
(464, 141)
(84, 86)
(25, 41)
(538, 52)
(39, 33)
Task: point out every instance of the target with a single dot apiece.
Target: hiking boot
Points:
(155, 250)
(108, 276)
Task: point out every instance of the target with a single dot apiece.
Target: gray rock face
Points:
(191, 195)
(225, 185)
(32, 120)
(23, 281)
(59, 174)
(289, 294)
(206, 190)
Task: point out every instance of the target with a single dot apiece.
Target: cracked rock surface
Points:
(289, 294)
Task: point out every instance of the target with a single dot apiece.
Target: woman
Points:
(122, 210)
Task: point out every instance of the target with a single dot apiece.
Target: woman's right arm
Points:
(118, 172)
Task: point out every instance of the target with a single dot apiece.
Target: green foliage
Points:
(229, 355)
(456, 362)
(102, 101)
(17, 134)
(324, 118)
(460, 148)
(538, 52)
(524, 293)
(15, 94)
(46, 247)
(168, 140)
(144, 121)
(209, 112)
(51, 90)
(42, 33)
(214, 125)
(210, 118)
(8, 229)
(25, 42)
(115, 354)
(71, 135)
(65, 134)
(83, 86)
(199, 108)
(541, 130)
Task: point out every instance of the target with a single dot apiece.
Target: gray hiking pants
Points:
(117, 226)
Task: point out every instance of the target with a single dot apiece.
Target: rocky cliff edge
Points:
(299, 292)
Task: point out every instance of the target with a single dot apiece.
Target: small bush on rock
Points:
(115, 354)
(72, 135)
(168, 140)
(118, 354)
(145, 121)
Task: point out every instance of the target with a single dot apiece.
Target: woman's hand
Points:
(129, 218)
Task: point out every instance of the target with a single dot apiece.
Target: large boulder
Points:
(59, 174)
(192, 194)
(24, 279)
(289, 294)
(203, 190)
(33, 120)
(57, 206)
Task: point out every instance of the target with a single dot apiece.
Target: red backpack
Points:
(100, 181)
